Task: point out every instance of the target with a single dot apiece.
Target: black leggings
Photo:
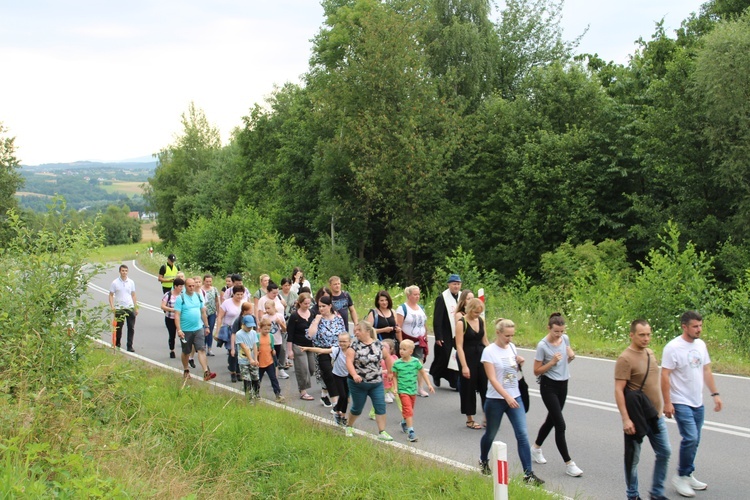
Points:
(553, 394)
(326, 373)
(342, 387)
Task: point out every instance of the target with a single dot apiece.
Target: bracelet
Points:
(714, 394)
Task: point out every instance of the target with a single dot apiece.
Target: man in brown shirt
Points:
(630, 370)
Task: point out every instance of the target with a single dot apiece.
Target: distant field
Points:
(148, 232)
(27, 193)
(126, 187)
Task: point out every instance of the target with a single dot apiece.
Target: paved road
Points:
(594, 436)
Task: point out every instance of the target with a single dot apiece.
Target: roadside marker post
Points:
(499, 466)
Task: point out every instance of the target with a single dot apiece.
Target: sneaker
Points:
(532, 479)
(130, 349)
(349, 431)
(371, 414)
(280, 398)
(572, 469)
(234, 378)
(186, 374)
(337, 419)
(210, 353)
(404, 429)
(484, 465)
(682, 485)
(536, 455)
(191, 362)
(388, 398)
(344, 420)
(283, 374)
(326, 401)
(384, 436)
(695, 484)
(424, 394)
(171, 355)
(208, 375)
(412, 437)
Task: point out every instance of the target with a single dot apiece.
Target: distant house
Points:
(148, 216)
(135, 215)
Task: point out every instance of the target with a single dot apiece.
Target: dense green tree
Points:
(10, 179)
(176, 191)
(723, 77)
(119, 227)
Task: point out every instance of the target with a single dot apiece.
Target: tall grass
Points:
(127, 431)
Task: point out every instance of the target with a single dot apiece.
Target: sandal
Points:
(307, 397)
(471, 424)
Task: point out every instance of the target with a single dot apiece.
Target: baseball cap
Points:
(453, 278)
(171, 257)
(248, 320)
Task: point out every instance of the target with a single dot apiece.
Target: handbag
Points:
(523, 387)
(453, 360)
(640, 409)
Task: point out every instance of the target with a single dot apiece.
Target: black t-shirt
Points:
(341, 304)
(297, 327)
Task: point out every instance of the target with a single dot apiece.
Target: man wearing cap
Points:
(444, 328)
(167, 273)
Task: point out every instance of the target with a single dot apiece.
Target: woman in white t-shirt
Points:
(502, 364)
(411, 321)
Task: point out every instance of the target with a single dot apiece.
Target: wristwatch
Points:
(714, 394)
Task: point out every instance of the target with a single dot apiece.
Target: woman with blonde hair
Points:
(501, 365)
(470, 343)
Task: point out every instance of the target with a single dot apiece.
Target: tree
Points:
(530, 36)
(119, 227)
(176, 191)
(10, 180)
(723, 76)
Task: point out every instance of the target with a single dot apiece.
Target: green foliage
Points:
(119, 227)
(738, 307)
(176, 189)
(464, 264)
(334, 260)
(673, 279)
(10, 179)
(45, 319)
(569, 264)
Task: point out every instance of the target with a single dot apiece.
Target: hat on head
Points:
(171, 257)
(454, 278)
(248, 320)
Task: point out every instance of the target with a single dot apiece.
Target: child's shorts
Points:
(407, 404)
(249, 372)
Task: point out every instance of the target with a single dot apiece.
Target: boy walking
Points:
(246, 340)
(408, 370)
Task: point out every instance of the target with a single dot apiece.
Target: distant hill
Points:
(133, 164)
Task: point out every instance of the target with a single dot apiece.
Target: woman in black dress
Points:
(383, 319)
(470, 342)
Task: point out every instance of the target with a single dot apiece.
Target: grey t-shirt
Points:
(546, 351)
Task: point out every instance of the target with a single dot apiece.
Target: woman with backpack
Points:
(411, 320)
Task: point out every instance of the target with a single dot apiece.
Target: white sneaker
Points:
(695, 484)
(536, 455)
(682, 485)
(388, 397)
(572, 469)
(283, 374)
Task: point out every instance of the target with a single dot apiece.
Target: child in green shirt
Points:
(407, 371)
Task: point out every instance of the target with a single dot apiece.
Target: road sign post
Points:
(499, 466)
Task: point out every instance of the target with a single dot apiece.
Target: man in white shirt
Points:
(685, 367)
(124, 305)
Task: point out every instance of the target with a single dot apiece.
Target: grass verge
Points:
(129, 431)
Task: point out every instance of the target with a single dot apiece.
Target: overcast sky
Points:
(100, 80)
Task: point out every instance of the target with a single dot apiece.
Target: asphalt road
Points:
(593, 424)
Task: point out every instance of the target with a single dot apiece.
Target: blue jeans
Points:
(360, 392)
(662, 450)
(211, 324)
(494, 409)
(689, 422)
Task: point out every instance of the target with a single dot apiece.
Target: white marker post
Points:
(480, 296)
(499, 466)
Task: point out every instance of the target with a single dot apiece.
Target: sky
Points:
(109, 81)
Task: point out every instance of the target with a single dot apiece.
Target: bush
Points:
(45, 319)
(671, 281)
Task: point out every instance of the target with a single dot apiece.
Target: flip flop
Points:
(471, 424)
(307, 397)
